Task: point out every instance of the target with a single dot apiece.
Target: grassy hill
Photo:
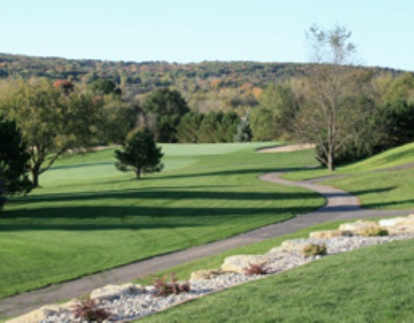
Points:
(373, 284)
(89, 217)
(377, 181)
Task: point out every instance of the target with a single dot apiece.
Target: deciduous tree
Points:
(329, 117)
(52, 121)
(164, 109)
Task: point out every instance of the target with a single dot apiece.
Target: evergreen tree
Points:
(140, 154)
(14, 161)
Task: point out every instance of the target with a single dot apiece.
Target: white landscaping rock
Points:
(38, 315)
(114, 291)
(206, 274)
(240, 263)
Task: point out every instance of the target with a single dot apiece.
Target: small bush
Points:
(164, 288)
(255, 269)
(314, 250)
(373, 232)
(89, 311)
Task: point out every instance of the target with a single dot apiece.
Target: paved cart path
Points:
(340, 205)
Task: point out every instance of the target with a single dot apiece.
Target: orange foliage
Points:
(64, 85)
(215, 83)
(257, 92)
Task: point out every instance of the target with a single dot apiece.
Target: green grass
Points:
(390, 190)
(89, 217)
(376, 187)
(374, 284)
(394, 157)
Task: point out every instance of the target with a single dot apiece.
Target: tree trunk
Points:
(331, 165)
(35, 177)
(138, 173)
(35, 170)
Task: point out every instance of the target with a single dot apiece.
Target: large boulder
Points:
(240, 263)
(392, 222)
(358, 225)
(206, 274)
(403, 226)
(302, 247)
(327, 234)
(39, 315)
(114, 291)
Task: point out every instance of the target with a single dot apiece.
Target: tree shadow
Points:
(360, 192)
(171, 193)
(380, 205)
(255, 171)
(131, 217)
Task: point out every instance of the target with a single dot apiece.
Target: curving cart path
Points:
(340, 205)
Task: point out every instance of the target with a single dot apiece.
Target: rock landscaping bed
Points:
(132, 301)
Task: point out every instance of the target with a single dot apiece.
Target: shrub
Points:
(255, 269)
(164, 288)
(373, 232)
(314, 250)
(88, 310)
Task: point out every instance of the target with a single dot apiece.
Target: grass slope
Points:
(89, 217)
(374, 284)
(376, 186)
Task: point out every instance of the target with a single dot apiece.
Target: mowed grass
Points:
(89, 217)
(374, 284)
(377, 186)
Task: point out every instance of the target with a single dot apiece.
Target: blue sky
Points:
(198, 30)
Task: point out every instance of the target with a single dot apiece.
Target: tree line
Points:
(348, 112)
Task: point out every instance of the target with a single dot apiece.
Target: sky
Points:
(198, 30)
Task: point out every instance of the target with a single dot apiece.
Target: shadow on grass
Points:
(399, 204)
(190, 193)
(255, 171)
(132, 217)
(162, 194)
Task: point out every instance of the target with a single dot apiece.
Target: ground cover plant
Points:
(163, 288)
(89, 217)
(89, 311)
(373, 284)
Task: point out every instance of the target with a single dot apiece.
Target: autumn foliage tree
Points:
(52, 120)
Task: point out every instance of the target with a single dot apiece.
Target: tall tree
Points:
(140, 154)
(328, 118)
(188, 129)
(227, 127)
(105, 86)
(52, 121)
(164, 109)
(273, 118)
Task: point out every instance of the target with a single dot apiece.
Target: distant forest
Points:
(206, 86)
